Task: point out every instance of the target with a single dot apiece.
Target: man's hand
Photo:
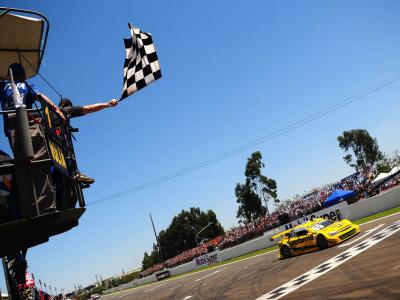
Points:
(112, 103)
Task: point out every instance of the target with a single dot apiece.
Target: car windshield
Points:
(321, 225)
(325, 223)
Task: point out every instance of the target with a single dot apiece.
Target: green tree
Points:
(181, 234)
(256, 190)
(152, 259)
(388, 162)
(365, 148)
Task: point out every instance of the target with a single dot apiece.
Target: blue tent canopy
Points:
(338, 196)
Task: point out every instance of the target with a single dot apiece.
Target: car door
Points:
(304, 238)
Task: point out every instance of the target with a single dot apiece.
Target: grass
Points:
(378, 215)
(269, 249)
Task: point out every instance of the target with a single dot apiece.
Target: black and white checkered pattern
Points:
(141, 65)
(330, 264)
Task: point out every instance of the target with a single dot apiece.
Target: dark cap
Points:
(18, 72)
(65, 102)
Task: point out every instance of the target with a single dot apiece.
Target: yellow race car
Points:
(313, 235)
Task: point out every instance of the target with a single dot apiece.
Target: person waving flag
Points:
(141, 66)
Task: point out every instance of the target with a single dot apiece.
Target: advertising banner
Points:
(207, 259)
(332, 213)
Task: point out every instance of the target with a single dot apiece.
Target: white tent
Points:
(383, 176)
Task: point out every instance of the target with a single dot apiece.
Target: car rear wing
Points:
(274, 237)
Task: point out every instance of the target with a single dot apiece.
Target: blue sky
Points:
(233, 72)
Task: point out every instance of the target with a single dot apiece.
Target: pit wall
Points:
(363, 208)
(366, 207)
(190, 266)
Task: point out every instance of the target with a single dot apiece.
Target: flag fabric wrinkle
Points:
(141, 65)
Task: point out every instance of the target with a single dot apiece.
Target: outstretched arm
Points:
(52, 105)
(98, 106)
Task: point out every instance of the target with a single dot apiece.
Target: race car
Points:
(317, 234)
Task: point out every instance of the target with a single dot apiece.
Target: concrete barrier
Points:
(145, 280)
(247, 247)
(369, 206)
(187, 267)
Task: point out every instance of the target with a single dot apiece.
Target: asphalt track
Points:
(373, 273)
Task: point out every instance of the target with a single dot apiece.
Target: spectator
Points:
(71, 111)
(27, 94)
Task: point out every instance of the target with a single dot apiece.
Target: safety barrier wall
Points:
(247, 247)
(365, 207)
(190, 266)
(145, 280)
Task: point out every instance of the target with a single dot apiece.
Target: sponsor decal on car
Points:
(300, 240)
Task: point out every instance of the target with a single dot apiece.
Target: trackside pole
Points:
(24, 138)
(26, 186)
(158, 243)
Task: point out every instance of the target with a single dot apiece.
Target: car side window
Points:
(302, 233)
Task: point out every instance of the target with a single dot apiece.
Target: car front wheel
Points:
(322, 243)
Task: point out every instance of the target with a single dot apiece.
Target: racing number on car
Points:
(318, 227)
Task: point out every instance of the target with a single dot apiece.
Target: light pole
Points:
(197, 234)
(158, 244)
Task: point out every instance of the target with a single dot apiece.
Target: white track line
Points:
(331, 263)
(210, 274)
(368, 232)
(156, 287)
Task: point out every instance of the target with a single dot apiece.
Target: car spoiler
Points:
(272, 238)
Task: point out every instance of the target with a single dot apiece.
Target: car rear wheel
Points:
(322, 243)
(285, 251)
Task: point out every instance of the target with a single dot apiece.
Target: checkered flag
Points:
(141, 65)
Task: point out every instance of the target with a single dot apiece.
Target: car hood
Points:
(337, 226)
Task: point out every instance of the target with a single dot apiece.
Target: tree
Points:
(256, 190)
(181, 234)
(152, 259)
(388, 162)
(364, 147)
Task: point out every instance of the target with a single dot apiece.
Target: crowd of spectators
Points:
(295, 208)
(392, 182)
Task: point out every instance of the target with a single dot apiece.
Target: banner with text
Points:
(207, 259)
(331, 213)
